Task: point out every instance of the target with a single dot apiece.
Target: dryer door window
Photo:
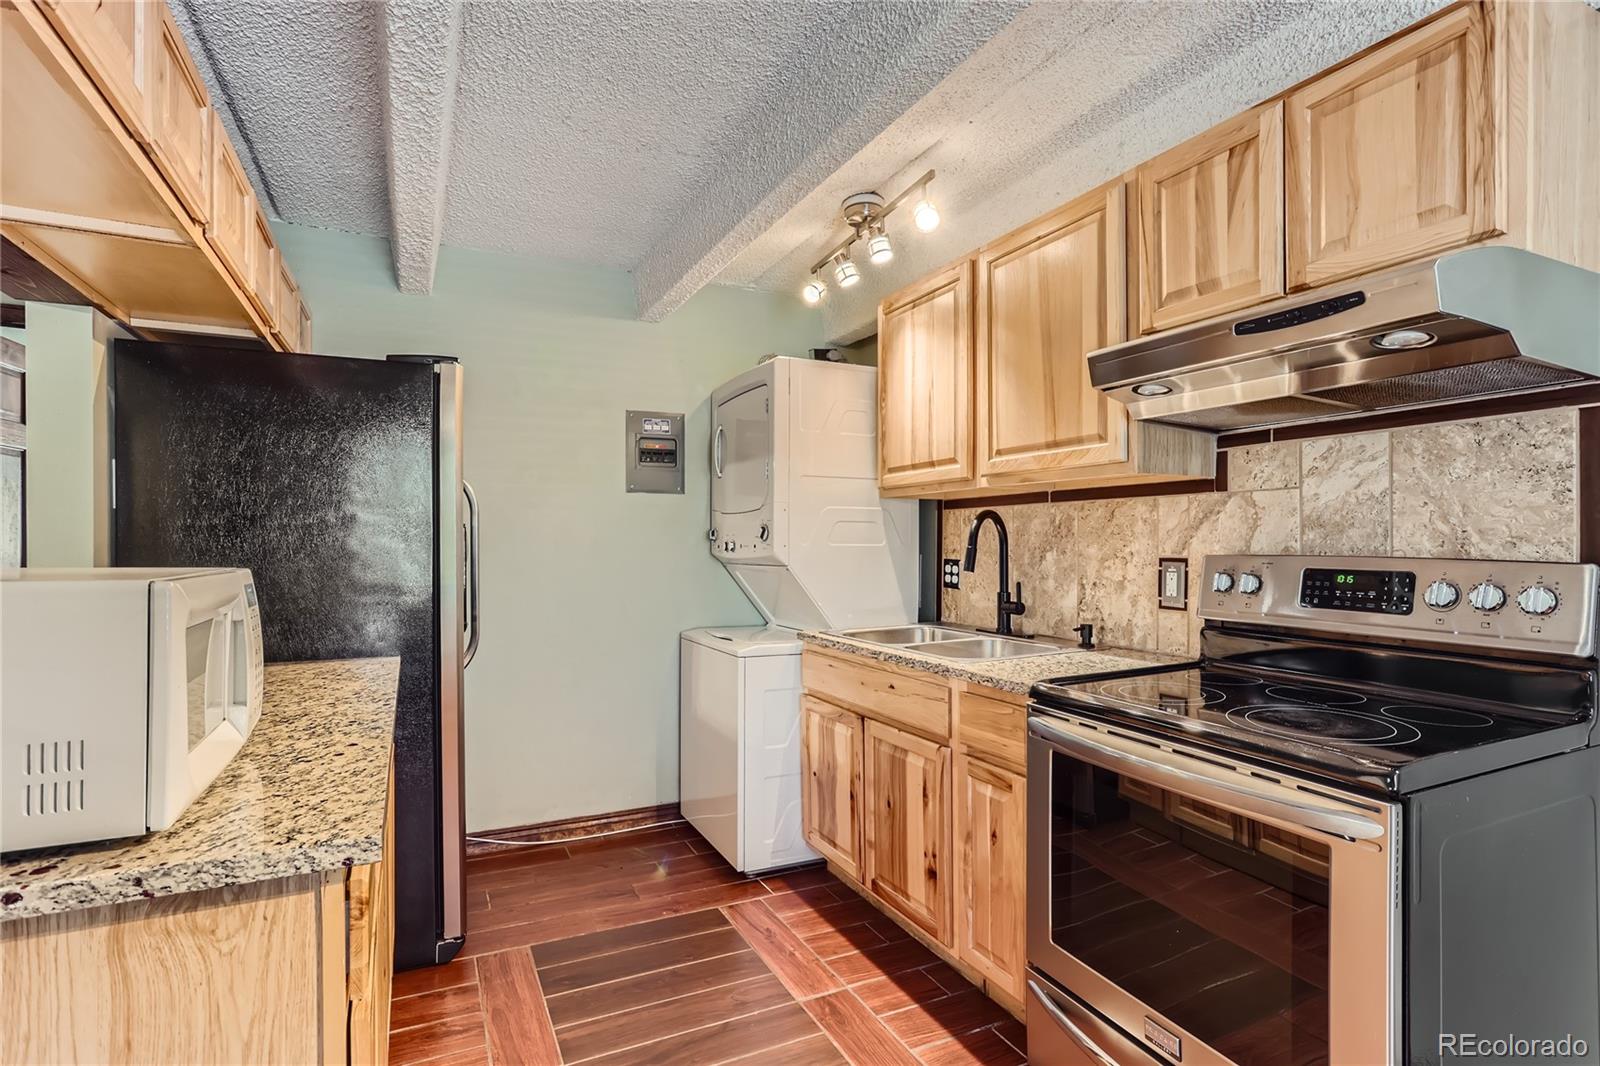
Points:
(741, 452)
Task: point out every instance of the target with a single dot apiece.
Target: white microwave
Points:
(123, 694)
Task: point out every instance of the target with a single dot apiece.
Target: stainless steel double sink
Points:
(945, 642)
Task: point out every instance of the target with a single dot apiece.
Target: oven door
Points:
(1216, 913)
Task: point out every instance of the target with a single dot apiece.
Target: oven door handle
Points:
(1304, 814)
(1079, 1037)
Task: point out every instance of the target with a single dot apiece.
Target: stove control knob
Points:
(1538, 600)
(1487, 596)
(1221, 581)
(1441, 595)
(1249, 584)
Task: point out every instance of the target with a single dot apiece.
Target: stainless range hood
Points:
(1478, 322)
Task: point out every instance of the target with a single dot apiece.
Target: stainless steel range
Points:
(1361, 829)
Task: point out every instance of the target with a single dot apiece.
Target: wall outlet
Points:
(1172, 585)
(952, 573)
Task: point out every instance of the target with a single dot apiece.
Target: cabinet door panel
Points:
(113, 39)
(1392, 157)
(1048, 295)
(991, 833)
(830, 747)
(180, 119)
(925, 382)
(233, 207)
(907, 827)
(1210, 230)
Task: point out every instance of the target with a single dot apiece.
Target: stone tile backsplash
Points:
(1495, 488)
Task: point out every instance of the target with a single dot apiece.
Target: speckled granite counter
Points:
(307, 793)
(1009, 675)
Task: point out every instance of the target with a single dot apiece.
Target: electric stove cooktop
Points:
(1373, 738)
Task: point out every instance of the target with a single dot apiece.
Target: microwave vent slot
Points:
(56, 762)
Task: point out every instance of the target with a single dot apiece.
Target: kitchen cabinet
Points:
(180, 118)
(906, 830)
(925, 382)
(233, 206)
(289, 308)
(1393, 156)
(112, 39)
(263, 258)
(1048, 294)
(1209, 230)
(992, 864)
(831, 749)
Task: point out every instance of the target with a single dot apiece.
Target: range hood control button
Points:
(1249, 584)
(1487, 596)
(1441, 595)
(1538, 600)
(1221, 581)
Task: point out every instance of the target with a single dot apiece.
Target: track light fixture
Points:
(864, 213)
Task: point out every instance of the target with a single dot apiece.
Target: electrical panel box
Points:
(655, 452)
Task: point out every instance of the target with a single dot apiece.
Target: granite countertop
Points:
(306, 793)
(1009, 675)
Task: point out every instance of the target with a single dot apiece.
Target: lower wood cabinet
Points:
(991, 872)
(830, 799)
(906, 848)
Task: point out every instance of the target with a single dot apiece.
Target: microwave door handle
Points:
(1203, 787)
(472, 573)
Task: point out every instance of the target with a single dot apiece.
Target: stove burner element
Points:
(1137, 692)
(1316, 695)
(1449, 717)
(1230, 680)
(1304, 722)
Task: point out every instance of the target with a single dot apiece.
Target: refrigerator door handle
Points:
(472, 573)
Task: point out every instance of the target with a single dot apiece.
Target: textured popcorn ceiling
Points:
(692, 141)
(1069, 95)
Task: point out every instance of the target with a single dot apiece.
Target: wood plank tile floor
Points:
(646, 947)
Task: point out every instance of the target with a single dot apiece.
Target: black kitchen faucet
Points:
(1005, 606)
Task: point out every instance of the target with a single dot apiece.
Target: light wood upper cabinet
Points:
(925, 382)
(263, 267)
(991, 855)
(831, 790)
(1048, 295)
(1392, 157)
(906, 849)
(233, 206)
(180, 118)
(1209, 236)
(113, 39)
(289, 308)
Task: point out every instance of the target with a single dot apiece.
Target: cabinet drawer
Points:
(897, 697)
(993, 726)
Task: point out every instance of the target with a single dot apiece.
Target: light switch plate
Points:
(952, 573)
(1172, 585)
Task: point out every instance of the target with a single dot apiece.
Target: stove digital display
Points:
(1383, 591)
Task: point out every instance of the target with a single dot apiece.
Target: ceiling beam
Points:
(421, 39)
(831, 108)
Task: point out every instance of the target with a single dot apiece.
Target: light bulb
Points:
(879, 250)
(926, 216)
(814, 291)
(845, 272)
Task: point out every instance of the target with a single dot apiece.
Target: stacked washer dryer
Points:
(797, 521)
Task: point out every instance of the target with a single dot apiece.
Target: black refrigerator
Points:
(338, 483)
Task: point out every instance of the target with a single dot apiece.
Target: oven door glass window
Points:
(1214, 920)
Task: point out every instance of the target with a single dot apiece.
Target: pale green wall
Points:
(572, 702)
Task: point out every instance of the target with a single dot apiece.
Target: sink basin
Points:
(970, 647)
(902, 636)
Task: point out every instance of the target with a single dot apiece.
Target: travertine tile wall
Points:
(1497, 488)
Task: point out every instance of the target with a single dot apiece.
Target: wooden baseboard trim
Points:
(570, 828)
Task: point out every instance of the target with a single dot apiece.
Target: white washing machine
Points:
(739, 744)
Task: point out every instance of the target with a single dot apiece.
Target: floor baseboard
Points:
(570, 828)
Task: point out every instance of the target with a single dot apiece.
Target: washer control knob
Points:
(1441, 595)
(1249, 584)
(765, 533)
(1487, 596)
(729, 546)
(711, 534)
(1221, 581)
(1538, 600)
